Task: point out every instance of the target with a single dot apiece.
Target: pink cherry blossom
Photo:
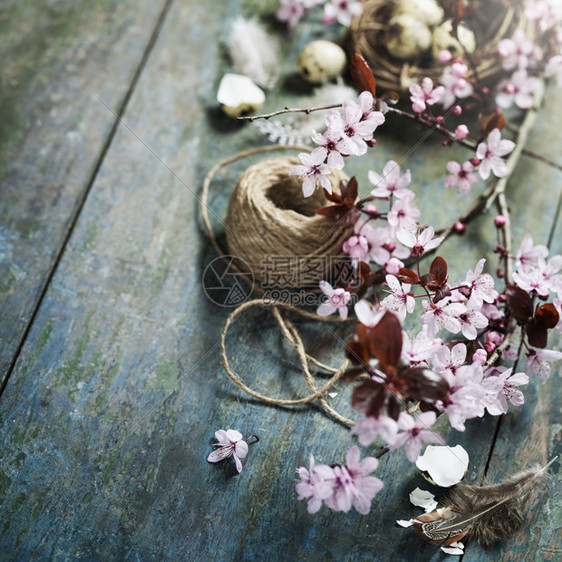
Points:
(419, 350)
(518, 52)
(508, 392)
(353, 485)
(382, 244)
(472, 320)
(456, 84)
(368, 314)
(315, 484)
(425, 94)
(461, 175)
(360, 122)
(337, 301)
(446, 361)
(357, 247)
(333, 144)
(313, 172)
(518, 89)
(529, 254)
(404, 214)
(290, 11)
(369, 429)
(342, 11)
(231, 444)
(444, 313)
(416, 432)
(490, 155)
(554, 68)
(538, 361)
(391, 183)
(478, 287)
(401, 301)
(467, 395)
(420, 242)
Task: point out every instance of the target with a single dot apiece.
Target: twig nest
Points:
(443, 466)
(269, 219)
(427, 11)
(443, 40)
(321, 61)
(239, 96)
(407, 38)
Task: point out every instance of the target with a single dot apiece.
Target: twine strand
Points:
(330, 238)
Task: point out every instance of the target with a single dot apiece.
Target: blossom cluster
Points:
(340, 487)
(340, 11)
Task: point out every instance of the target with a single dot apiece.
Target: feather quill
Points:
(488, 513)
(253, 52)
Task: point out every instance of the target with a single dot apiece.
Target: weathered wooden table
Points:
(112, 387)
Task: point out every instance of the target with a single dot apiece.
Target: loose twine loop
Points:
(267, 216)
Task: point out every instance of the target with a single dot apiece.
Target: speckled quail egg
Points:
(428, 11)
(407, 38)
(321, 61)
(443, 40)
(239, 96)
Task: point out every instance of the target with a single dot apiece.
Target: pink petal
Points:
(220, 454)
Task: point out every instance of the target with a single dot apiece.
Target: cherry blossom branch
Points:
(307, 110)
(432, 124)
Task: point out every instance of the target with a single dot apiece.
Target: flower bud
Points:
(499, 221)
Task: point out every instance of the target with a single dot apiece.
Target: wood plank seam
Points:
(117, 121)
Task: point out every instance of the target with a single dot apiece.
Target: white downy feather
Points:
(253, 52)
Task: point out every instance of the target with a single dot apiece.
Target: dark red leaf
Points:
(493, 121)
(362, 75)
(357, 352)
(330, 211)
(368, 397)
(547, 315)
(419, 383)
(407, 276)
(393, 407)
(352, 374)
(520, 303)
(351, 190)
(385, 341)
(537, 334)
(438, 269)
(363, 270)
(333, 197)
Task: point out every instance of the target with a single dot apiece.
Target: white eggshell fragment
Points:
(445, 466)
(423, 499)
(407, 38)
(443, 40)
(321, 61)
(239, 96)
(428, 11)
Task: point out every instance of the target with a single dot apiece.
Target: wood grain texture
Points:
(109, 414)
(57, 57)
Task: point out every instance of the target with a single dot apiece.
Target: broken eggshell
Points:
(239, 96)
(321, 61)
(443, 466)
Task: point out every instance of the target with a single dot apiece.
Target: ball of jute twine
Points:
(495, 20)
(267, 215)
